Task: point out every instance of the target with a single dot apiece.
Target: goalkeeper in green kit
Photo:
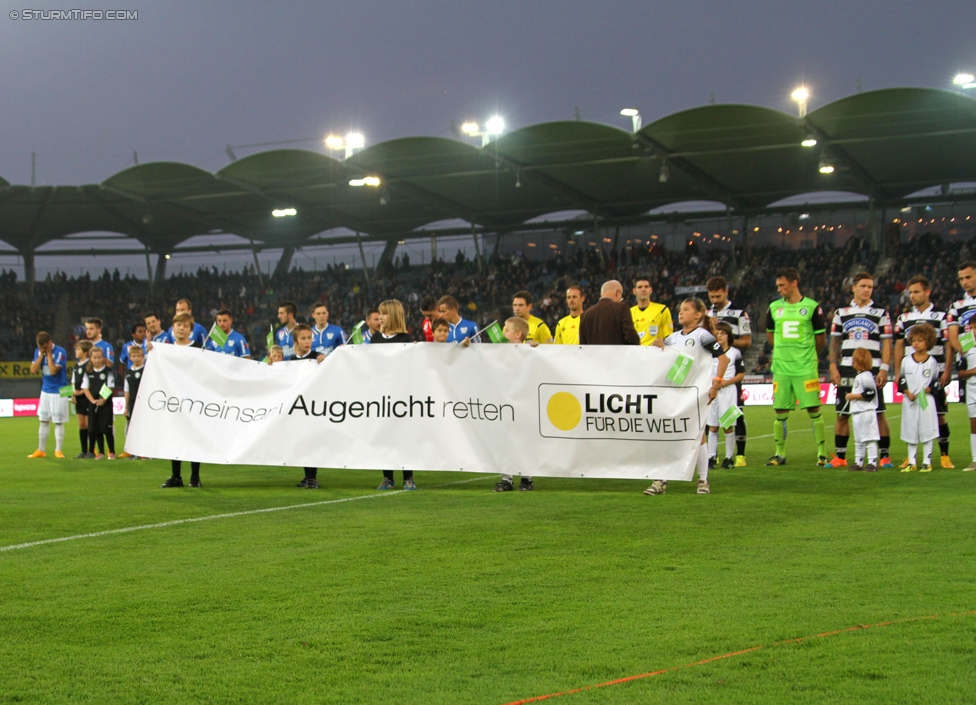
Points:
(796, 329)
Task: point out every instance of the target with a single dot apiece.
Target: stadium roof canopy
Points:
(885, 145)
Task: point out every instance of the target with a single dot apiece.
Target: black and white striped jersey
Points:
(735, 317)
(936, 319)
(961, 313)
(860, 327)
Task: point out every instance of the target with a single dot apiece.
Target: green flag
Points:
(269, 338)
(105, 392)
(967, 341)
(66, 391)
(923, 400)
(356, 338)
(680, 369)
(727, 420)
(495, 334)
(217, 335)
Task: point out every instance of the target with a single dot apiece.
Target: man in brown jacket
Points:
(608, 322)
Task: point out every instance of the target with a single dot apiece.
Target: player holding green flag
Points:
(797, 331)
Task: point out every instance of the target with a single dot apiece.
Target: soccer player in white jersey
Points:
(960, 322)
(922, 311)
(918, 380)
(738, 319)
(727, 396)
(695, 332)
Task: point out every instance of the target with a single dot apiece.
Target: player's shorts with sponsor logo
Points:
(53, 407)
(787, 391)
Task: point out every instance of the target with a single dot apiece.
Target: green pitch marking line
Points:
(740, 652)
(229, 515)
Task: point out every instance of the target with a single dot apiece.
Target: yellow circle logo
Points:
(564, 411)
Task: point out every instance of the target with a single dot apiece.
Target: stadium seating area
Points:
(60, 304)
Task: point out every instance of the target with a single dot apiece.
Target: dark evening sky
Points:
(187, 78)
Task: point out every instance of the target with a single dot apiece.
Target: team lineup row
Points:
(795, 329)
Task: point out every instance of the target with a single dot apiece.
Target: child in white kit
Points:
(919, 372)
(726, 398)
(863, 401)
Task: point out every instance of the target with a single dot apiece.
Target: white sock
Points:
(730, 443)
(42, 434)
(58, 436)
(859, 452)
(703, 462)
(927, 453)
(912, 448)
(872, 453)
(712, 443)
(972, 445)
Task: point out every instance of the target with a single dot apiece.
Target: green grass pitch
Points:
(455, 594)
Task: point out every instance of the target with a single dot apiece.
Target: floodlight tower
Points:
(801, 95)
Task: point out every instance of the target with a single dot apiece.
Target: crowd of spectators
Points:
(61, 304)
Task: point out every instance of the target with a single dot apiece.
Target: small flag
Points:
(495, 334)
(680, 369)
(105, 392)
(923, 400)
(967, 341)
(269, 338)
(727, 420)
(217, 335)
(357, 334)
(67, 391)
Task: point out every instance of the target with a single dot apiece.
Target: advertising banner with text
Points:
(555, 411)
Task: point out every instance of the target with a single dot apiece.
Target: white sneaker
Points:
(970, 467)
(657, 487)
(703, 487)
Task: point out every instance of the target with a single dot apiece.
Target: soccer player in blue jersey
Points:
(461, 329)
(154, 331)
(373, 325)
(52, 362)
(138, 332)
(326, 337)
(286, 317)
(236, 344)
(93, 331)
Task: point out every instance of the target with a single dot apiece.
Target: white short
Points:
(723, 401)
(865, 425)
(918, 425)
(53, 407)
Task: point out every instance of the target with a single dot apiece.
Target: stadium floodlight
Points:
(664, 173)
(334, 142)
(634, 115)
(964, 80)
(470, 128)
(825, 166)
(809, 141)
(284, 212)
(801, 95)
(494, 125)
(373, 181)
(355, 140)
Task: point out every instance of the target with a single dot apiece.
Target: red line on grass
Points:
(731, 654)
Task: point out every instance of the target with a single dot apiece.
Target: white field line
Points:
(229, 515)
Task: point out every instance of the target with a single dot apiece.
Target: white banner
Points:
(551, 411)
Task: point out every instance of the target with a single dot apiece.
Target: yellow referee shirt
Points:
(567, 330)
(653, 323)
(538, 330)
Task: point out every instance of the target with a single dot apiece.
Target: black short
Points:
(941, 404)
(841, 402)
(101, 418)
(82, 405)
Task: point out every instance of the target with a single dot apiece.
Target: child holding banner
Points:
(182, 329)
(98, 383)
(919, 377)
(724, 411)
(82, 405)
(695, 333)
(302, 337)
(516, 331)
(863, 408)
(130, 386)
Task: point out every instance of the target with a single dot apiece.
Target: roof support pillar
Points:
(285, 262)
(30, 273)
(388, 251)
(257, 264)
(477, 249)
(362, 256)
(728, 220)
(149, 274)
(161, 268)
